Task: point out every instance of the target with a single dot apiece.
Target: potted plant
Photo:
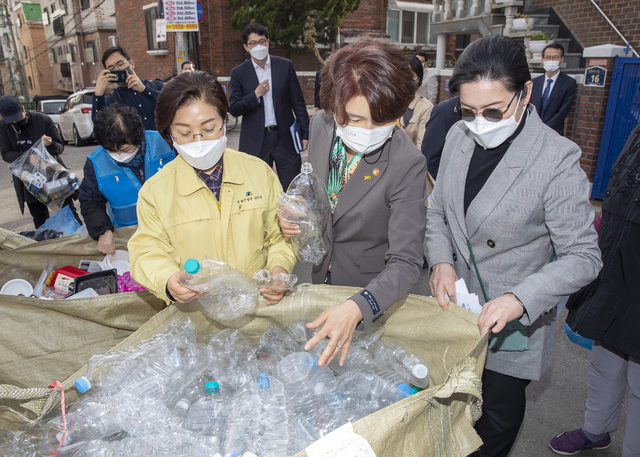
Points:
(538, 42)
(522, 23)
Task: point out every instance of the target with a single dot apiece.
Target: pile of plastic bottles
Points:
(172, 396)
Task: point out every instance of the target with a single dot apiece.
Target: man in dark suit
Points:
(553, 92)
(265, 91)
(443, 116)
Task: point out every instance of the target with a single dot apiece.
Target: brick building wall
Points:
(588, 25)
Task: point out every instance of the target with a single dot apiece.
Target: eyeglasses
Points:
(490, 114)
(556, 58)
(262, 42)
(188, 137)
(120, 65)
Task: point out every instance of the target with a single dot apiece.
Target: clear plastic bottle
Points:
(308, 244)
(110, 368)
(409, 364)
(368, 337)
(207, 415)
(296, 367)
(196, 275)
(282, 281)
(188, 395)
(314, 192)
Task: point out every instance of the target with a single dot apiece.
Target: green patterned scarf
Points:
(339, 171)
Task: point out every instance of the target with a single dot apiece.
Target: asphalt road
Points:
(554, 404)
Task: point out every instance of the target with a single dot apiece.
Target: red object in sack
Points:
(63, 280)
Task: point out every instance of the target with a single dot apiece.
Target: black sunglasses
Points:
(490, 114)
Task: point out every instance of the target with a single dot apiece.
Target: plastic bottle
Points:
(308, 244)
(108, 369)
(309, 186)
(61, 187)
(368, 337)
(282, 281)
(188, 395)
(207, 415)
(196, 275)
(296, 367)
(405, 362)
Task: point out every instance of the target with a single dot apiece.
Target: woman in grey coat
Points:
(510, 214)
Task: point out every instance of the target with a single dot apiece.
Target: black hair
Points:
(417, 68)
(423, 54)
(492, 58)
(111, 50)
(554, 46)
(256, 28)
(117, 125)
(183, 64)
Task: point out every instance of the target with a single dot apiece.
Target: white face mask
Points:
(259, 52)
(204, 154)
(551, 65)
(489, 134)
(362, 140)
(124, 158)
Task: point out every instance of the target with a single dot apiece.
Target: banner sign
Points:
(181, 15)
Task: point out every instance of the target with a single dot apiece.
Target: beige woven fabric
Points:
(42, 341)
(11, 240)
(435, 422)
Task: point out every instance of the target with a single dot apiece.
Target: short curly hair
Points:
(117, 125)
(373, 68)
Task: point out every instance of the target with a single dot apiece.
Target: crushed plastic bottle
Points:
(196, 275)
(306, 204)
(282, 281)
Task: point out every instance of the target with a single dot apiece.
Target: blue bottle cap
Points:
(264, 381)
(192, 266)
(403, 390)
(212, 387)
(82, 384)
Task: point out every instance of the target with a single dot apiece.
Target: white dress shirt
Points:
(262, 74)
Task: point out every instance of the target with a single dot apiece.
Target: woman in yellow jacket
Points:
(210, 201)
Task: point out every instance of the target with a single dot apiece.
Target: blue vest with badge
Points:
(120, 185)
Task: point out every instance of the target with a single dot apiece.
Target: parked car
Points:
(50, 106)
(75, 120)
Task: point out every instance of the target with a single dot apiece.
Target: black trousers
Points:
(275, 148)
(40, 212)
(503, 404)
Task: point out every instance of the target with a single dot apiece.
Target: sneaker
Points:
(569, 443)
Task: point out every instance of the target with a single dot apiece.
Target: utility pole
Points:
(16, 52)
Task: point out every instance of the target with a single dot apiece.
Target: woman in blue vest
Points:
(114, 172)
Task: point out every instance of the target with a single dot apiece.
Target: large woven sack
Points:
(12, 240)
(42, 341)
(436, 422)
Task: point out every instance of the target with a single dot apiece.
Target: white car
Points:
(51, 108)
(75, 120)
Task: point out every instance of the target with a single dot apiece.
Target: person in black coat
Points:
(266, 92)
(608, 311)
(443, 116)
(20, 130)
(562, 89)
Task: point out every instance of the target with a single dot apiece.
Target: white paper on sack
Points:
(465, 299)
(342, 442)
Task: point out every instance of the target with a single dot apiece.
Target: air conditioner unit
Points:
(113, 40)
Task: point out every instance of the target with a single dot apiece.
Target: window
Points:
(72, 51)
(19, 21)
(150, 16)
(45, 17)
(65, 70)
(53, 57)
(58, 26)
(30, 82)
(408, 27)
(53, 8)
(91, 52)
(85, 4)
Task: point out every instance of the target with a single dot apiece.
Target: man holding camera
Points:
(126, 87)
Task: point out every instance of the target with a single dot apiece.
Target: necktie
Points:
(545, 97)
